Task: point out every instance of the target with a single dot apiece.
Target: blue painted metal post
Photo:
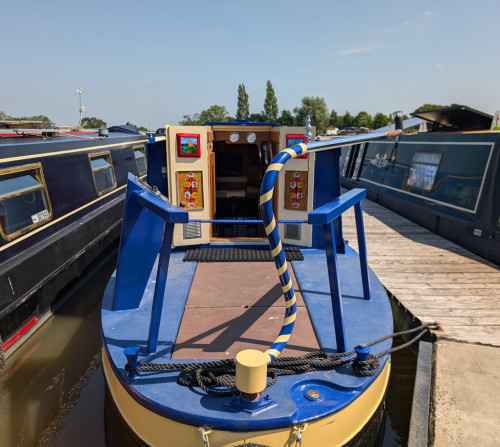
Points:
(331, 261)
(362, 250)
(161, 281)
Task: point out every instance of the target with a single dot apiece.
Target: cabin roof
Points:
(457, 117)
(240, 123)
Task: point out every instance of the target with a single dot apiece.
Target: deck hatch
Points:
(24, 202)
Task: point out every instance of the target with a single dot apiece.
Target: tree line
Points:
(315, 107)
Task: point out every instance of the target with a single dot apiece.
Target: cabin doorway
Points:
(239, 169)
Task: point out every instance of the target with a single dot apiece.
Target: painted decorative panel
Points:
(296, 190)
(190, 188)
(188, 145)
(295, 139)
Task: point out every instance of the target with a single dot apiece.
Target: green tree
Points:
(43, 118)
(380, 120)
(46, 121)
(190, 120)
(257, 118)
(213, 113)
(243, 111)
(334, 119)
(286, 118)
(340, 121)
(347, 120)
(426, 107)
(91, 122)
(316, 108)
(363, 119)
(270, 104)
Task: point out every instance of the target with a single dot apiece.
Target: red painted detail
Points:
(19, 334)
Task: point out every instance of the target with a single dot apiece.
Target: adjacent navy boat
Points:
(196, 328)
(445, 179)
(61, 205)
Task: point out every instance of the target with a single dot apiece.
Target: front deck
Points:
(163, 308)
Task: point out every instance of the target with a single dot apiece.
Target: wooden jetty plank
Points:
(435, 280)
(431, 276)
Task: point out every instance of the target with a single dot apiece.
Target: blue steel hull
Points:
(459, 200)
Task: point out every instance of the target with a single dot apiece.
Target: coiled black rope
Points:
(217, 378)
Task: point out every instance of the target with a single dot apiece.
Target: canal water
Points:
(52, 391)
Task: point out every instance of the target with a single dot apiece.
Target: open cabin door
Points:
(295, 196)
(189, 180)
(242, 153)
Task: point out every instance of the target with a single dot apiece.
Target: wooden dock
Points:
(435, 280)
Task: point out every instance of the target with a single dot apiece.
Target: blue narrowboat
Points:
(238, 315)
(61, 204)
(443, 177)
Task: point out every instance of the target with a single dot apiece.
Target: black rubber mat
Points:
(239, 254)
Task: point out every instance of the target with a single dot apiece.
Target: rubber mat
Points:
(239, 254)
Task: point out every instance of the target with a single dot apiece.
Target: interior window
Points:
(24, 202)
(140, 159)
(104, 174)
(423, 170)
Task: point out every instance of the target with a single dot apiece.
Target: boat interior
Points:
(239, 169)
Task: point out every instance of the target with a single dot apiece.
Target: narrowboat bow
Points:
(196, 351)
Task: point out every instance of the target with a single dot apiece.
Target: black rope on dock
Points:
(217, 378)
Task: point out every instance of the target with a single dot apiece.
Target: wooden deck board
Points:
(430, 276)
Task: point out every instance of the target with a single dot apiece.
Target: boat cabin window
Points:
(140, 159)
(423, 170)
(24, 202)
(104, 174)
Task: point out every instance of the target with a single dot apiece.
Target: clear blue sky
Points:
(153, 61)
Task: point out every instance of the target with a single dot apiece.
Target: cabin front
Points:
(215, 172)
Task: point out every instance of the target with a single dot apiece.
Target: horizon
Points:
(140, 63)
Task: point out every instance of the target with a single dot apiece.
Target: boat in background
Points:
(444, 177)
(61, 203)
(190, 317)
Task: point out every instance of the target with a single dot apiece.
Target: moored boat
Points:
(61, 204)
(445, 178)
(190, 353)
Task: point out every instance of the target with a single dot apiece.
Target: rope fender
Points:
(266, 208)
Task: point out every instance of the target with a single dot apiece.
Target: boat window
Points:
(423, 170)
(140, 159)
(104, 174)
(24, 202)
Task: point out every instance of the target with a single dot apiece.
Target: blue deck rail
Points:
(325, 215)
